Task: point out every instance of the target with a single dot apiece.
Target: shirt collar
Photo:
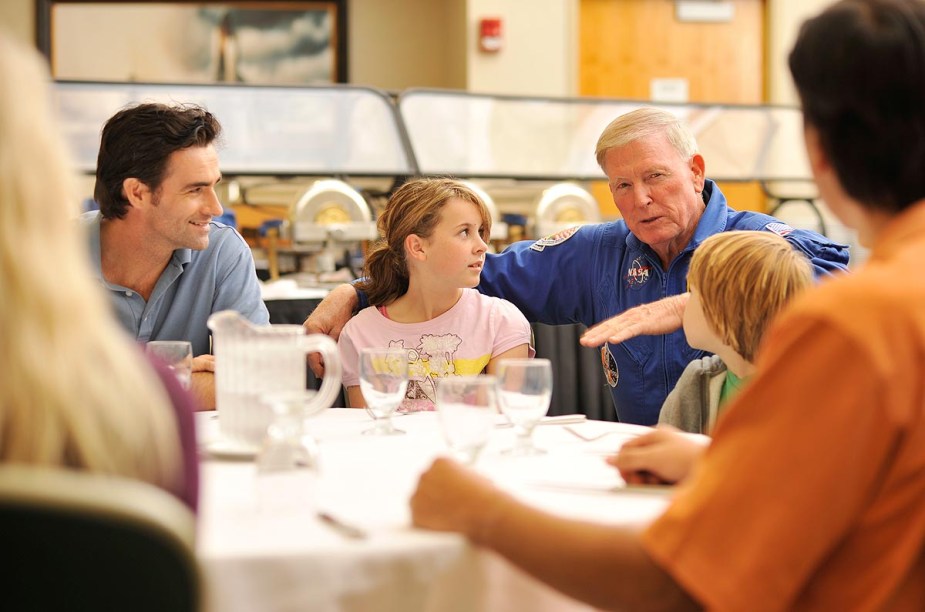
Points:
(182, 257)
(908, 224)
(714, 215)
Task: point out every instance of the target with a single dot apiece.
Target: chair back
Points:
(78, 541)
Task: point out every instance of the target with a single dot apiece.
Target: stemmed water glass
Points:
(467, 409)
(177, 355)
(288, 459)
(524, 392)
(383, 382)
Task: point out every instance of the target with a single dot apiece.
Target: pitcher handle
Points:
(331, 383)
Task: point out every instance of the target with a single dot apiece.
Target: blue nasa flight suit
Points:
(602, 270)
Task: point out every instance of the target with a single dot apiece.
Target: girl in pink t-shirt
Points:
(420, 280)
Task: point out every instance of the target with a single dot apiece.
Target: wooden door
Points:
(624, 44)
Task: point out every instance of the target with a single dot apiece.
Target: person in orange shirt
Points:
(810, 496)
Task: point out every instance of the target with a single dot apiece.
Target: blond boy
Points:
(738, 282)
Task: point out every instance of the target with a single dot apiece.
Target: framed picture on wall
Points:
(272, 42)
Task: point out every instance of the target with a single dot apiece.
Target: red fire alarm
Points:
(490, 34)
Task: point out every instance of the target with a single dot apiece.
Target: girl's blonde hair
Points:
(744, 279)
(74, 390)
(413, 209)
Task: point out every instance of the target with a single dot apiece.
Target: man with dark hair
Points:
(166, 263)
(811, 493)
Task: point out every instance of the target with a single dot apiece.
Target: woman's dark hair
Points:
(859, 68)
(136, 143)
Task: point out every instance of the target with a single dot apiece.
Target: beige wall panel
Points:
(17, 19)
(784, 19)
(538, 54)
(399, 44)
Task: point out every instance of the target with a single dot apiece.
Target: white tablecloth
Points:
(262, 554)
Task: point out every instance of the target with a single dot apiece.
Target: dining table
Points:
(347, 542)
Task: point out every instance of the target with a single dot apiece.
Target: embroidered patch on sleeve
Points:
(554, 239)
(781, 229)
(611, 371)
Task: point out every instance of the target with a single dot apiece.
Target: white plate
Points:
(222, 448)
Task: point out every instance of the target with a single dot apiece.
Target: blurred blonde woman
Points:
(74, 390)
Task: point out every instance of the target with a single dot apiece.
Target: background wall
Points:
(547, 51)
(405, 43)
(627, 45)
(784, 19)
(17, 17)
(540, 51)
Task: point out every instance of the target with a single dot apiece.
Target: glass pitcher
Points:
(251, 361)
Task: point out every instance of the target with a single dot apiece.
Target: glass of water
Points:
(524, 392)
(287, 461)
(383, 382)
(176, 355)
(467, 409)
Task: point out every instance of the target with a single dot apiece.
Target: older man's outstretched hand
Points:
(661, 317)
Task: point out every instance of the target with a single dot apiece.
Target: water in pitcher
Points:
(251, 361)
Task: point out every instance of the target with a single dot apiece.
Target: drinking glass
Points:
(288, 459)
(383, 382)
(467, 410)
(177, 355)
(524, 391)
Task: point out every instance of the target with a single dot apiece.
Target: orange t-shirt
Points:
(812, 495)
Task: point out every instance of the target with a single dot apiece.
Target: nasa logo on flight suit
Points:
(611, 371)
(554, 239)
(638, 273)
